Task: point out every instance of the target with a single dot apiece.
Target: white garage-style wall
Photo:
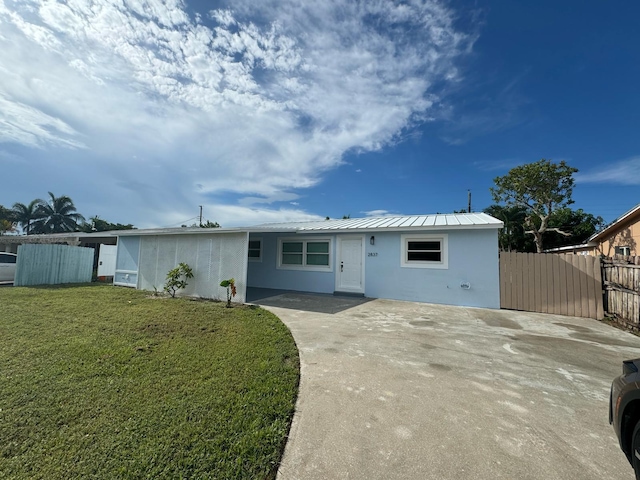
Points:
(214, 257)
(127, 255)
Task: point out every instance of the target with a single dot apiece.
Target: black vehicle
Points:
(624, 411)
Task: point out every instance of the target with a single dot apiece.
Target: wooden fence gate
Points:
(551, 283)
(622, 292)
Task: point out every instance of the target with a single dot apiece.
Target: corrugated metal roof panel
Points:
(387, 222)
(359, 223)
(397, 222)
(410, 222)
(377, 222)
(464, 220)
(418, 221)
(405, 222)
(440, 221)
(429, 221)
(452, 220)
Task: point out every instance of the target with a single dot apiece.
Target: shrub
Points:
(175, 280)
(231, 289)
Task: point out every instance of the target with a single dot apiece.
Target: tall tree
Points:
(25, 215)
(58, 215)
(540, 187)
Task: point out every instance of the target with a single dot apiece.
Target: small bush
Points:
(175, 280)
(231, 289)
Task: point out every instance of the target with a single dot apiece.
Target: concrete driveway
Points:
(417, 391)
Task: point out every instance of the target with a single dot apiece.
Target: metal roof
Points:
(388, 223)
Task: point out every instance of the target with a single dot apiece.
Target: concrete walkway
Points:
(399, 390)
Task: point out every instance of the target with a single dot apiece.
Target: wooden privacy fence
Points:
(622, 291)
(551, 283)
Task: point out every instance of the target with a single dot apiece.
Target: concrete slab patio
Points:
(309, 302)
(399, 390)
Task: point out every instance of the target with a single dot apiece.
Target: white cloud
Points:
(378, 213)
(141, 110)
(624, 172)
(29, 126)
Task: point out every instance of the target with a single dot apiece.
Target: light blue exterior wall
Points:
(472, 260)
(265, 274)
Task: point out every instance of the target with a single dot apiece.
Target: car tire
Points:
(635, 450)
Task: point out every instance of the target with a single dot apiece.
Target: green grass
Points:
(107, 382)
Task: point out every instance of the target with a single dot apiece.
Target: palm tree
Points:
(511, 236)
(25, 215)
(58, 215)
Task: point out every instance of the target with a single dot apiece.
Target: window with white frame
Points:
(304, 253)
(425, 251)
(626, 251)
(255, 250)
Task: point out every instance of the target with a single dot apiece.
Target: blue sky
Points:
(141, 111)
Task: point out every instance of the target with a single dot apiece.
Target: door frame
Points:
(339, 239)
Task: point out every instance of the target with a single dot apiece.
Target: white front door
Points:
(350, 264)
(107, 260)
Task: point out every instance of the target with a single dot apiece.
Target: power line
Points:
(181, 223)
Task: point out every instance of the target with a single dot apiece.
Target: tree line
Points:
(59, 215)
(54, 215)
(532, 200)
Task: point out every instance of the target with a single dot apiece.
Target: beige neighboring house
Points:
(621, 237)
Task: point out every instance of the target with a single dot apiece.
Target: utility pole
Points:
(201, 215)
(469, 198)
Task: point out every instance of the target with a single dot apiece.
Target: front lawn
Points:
(106, 382)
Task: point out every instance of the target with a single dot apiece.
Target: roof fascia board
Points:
(571, 247)
(134, 233)
(403, 229)
(616, 224)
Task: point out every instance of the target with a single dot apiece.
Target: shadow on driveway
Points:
(308, 302)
